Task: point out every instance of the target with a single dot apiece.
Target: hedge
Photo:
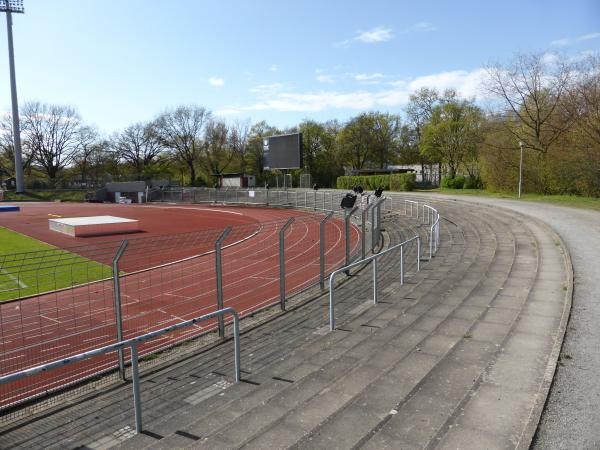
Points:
(393, 182)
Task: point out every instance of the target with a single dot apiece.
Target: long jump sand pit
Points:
(93, 225)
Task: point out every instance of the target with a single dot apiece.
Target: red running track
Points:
(55, 325)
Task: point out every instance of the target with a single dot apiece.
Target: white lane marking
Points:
(15, 279)
(49, 318)
(198, 209)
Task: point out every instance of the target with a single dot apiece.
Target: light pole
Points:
(520, 168)
(9, 7)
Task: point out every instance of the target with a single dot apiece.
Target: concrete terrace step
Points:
(394, 341)
(365, 348)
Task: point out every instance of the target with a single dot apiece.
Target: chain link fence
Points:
(62, 302)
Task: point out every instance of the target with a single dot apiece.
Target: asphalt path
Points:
(570, 418)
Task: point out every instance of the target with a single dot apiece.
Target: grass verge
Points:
(572, 201)
(29, 267)
(46, 196)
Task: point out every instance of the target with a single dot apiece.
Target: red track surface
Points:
(55, 325)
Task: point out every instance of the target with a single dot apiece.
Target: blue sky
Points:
(280, 61)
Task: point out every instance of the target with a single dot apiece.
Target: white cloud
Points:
(273, 68)
(323, 78)
(217, 82)
(368, 76)
(377, 34)
(396, 95)
(568, 41)
(266, 88)
(549, 58)
(587, 37)
(423, 26)
(560, 42)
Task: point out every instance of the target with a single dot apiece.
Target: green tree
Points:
(369, 139)
(453, 134)
(319, 151)
(256, 155)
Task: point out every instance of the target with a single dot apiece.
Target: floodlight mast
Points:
(9, 7)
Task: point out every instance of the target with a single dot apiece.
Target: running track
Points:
(55, 325)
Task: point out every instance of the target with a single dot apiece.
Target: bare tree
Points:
(182, 131)
(532, 89)
(583, 98)
(7, 149)
(139, 145)
(87, 139)
(51, 135)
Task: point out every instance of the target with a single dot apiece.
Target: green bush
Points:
(393, 182)
(457, 182)
(472, 183)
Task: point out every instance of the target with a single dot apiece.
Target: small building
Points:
(238, 180)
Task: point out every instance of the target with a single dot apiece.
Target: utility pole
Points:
(520, 168)
(9, 7)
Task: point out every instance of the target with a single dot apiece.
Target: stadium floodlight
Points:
(15, 6)
(9, 7)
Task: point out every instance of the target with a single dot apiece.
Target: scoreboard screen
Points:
(283, 152)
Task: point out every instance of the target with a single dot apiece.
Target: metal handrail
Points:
(434, 239)
(133, 344)
(411, 203)
(431, 212)
(365, 261)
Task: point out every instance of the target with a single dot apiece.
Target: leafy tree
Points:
(258, 132)
(216, 152)
(239, 134)
(369, 139)
(319, 151)
(453, 134)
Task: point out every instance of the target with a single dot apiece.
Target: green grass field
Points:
(28, 267)
(561, 200)
(64, 195)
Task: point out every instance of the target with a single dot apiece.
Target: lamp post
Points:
(520, 168)
(9, 7)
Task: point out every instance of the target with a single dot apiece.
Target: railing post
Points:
(418, 253)
(135, 375)
(347, 217)
(117, 295)
(373, 225)
(431, 242)
(236, 345)
(374, 262)
(363, 229)
(322, 250)
(219, 273)
(267, 197)
(402, 265)
(331, 311)
(282, 262)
